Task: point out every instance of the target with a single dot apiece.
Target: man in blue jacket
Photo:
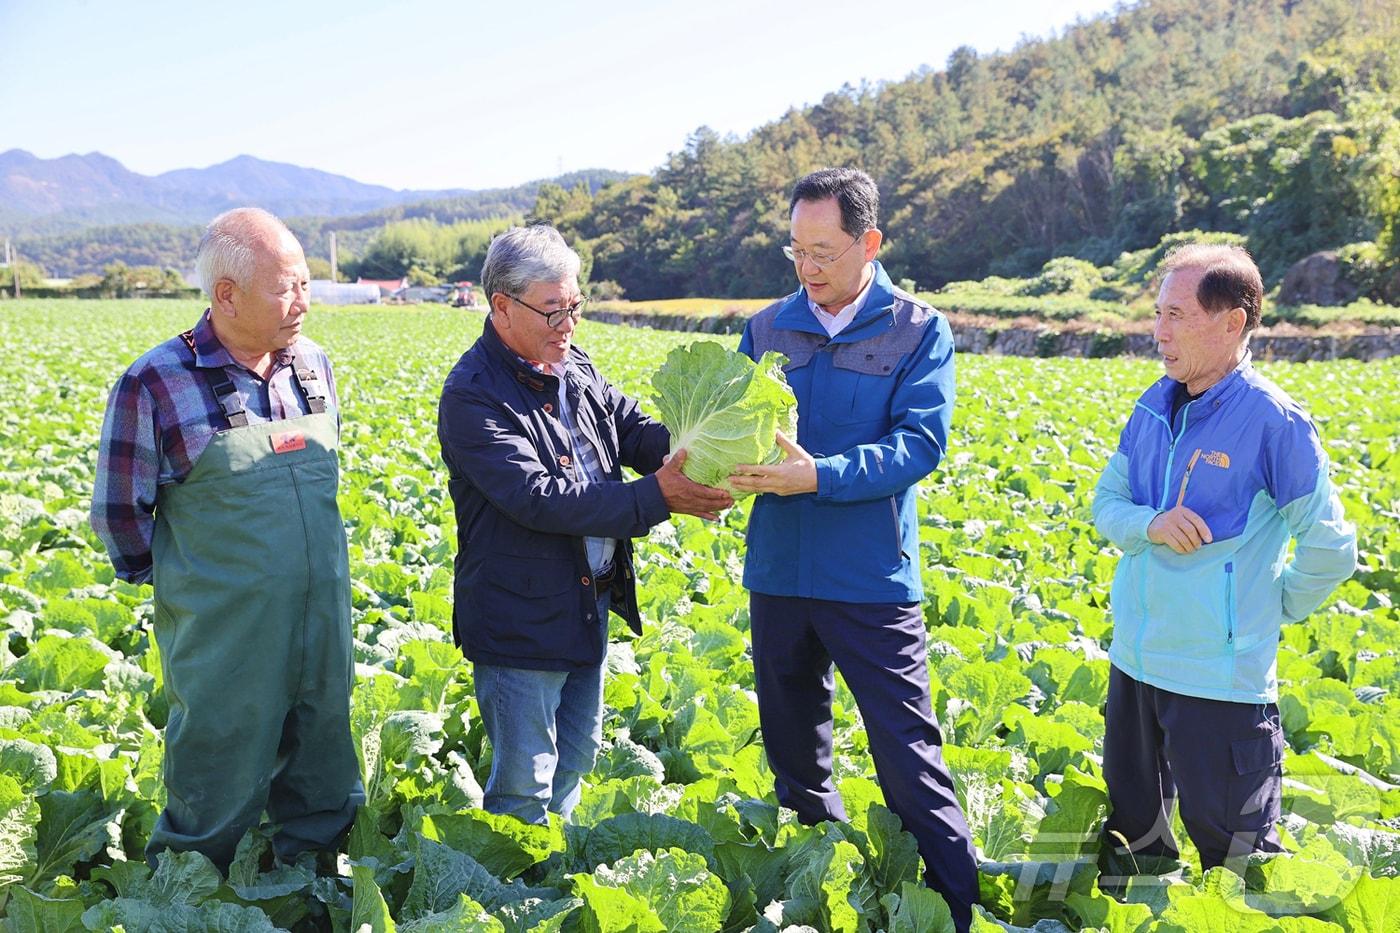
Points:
(833, 541)
(1216, 470)
(535, 441)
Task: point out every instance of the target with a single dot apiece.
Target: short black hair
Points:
(1229, 278)
(854, 191)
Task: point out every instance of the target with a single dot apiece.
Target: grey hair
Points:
(524, 255)
(226, 248)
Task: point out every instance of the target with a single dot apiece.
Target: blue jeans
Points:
(545, 728)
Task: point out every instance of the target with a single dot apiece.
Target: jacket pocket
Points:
(797, 356)
(532, 577)
(864, 535)
(861, 386)
(870, 363)
(1188, 614)
(525, 610)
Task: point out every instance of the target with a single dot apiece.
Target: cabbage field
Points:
(677, 829)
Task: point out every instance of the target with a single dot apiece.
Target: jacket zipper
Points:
(1171, 455)
(898, 532)
(1141, 589)
(1230, 603)
(1166, 491)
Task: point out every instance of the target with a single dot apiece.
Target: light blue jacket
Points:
(873, 409)
(1206, 624)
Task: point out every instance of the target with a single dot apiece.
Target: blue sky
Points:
(468, 94)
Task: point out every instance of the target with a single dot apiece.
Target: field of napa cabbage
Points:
(677, 828)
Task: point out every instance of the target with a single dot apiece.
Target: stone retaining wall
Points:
(716, 324)
(1046, 341)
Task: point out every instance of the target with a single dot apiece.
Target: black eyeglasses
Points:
(556, 317)
(800, 256)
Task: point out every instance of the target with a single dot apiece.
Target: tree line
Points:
(374, 239)
(1272, 119)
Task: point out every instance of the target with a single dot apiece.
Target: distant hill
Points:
(1276, 120)
(74, 192)
(75, 214)
(1273, 121)
(356, 230)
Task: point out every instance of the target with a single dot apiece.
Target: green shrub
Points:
(1065, 275)
(1364, 311)
(1139, 267)
(1107, 343)
(1366, 267)
(1045, 307)
(605, 290)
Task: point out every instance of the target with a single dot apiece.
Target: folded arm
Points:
(1117, 517)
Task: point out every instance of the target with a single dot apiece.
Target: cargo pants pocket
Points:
(1254, 797)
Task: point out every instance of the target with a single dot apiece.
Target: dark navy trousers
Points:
(1222, 761)
(881, 652)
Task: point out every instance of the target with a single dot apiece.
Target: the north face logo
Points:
(1217, 458)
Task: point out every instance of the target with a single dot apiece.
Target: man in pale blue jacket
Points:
(1216, 470)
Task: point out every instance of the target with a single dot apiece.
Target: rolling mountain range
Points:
(75, 214)
(1273, 121)
(46, 196)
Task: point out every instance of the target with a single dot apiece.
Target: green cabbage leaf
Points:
(723, 408)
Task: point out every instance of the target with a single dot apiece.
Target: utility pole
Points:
(12, 263)
(334, 264)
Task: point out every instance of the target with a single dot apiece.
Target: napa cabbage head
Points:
(723, 408)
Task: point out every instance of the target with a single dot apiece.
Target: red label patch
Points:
(288, 441)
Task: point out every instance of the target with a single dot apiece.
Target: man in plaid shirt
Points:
(216, 481)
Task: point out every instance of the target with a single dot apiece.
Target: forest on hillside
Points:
(92, 250)
(1275, 123)
(1272, 119)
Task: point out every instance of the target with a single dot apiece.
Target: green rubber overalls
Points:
(252, 617)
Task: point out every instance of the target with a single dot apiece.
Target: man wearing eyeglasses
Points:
(832, 565)
(535, 440)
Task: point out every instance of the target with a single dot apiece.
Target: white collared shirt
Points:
(835, 323)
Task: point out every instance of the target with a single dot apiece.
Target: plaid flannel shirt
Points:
(161, 414)
(600, 550)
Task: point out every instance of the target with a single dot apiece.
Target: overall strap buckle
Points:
(309, 383)
(228, 397)
(222, 387)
